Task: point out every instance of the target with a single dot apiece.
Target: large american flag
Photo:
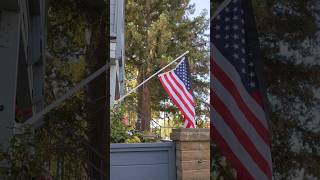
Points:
(177, 84)
(238, 119)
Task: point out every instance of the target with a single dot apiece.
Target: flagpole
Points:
(134, 89)
(35, 118)
(220, 8)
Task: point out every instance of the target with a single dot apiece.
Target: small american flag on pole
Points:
(177, 84)
(238, 119)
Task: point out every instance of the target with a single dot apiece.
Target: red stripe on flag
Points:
(257, 97)
(228, 84)
(242, 137)
(188, 125)
(164, 84)
(226, 150)
(178, 94)
(183, 89)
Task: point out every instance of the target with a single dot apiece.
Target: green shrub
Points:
(121, 133)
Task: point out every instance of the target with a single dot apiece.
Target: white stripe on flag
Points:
(234, 76)
(192, 124)
(236, 147)
(184, 109)
(180, 92)
(255, 138)
(183, 86)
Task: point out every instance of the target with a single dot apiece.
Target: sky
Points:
(200, 5)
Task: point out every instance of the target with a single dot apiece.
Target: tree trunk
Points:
(144, 101)
(144, 105)
(97, 101)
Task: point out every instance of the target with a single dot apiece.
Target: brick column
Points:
(192, 153)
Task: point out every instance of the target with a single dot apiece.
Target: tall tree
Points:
(157, 31)
(97, 101)
(77, 47)
(82, 26)
(288, 44)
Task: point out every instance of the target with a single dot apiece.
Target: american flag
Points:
(238, 119)
(177, 84)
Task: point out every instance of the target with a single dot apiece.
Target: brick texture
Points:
(192, 153)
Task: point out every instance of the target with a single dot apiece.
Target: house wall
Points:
(116, 49)
(22, 44)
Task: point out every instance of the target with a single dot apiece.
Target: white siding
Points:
(113, 18)
(117, 49)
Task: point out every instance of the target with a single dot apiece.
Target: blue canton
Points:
(229, 36)
(182, 71)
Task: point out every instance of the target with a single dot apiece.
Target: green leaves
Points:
(159, 35)
(156, 33)
(288, 33)
(119, 131)
(23, 161)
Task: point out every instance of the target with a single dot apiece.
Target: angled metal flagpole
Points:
(220, 8)
(134, 89)
(37, 117)
(36, 121)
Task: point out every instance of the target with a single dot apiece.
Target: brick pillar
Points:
(192, 153)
